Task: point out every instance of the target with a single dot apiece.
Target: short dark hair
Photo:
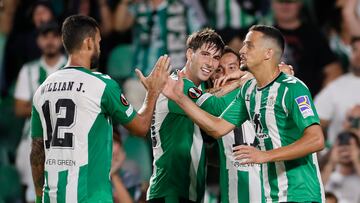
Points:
(201, 37)
(272, 33)
(51, 26)
(75, 29)
(228, 49)
(330, 195)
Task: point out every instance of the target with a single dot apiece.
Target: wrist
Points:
(38, 199)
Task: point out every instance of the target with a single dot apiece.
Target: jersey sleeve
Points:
(22, 89)
(116, 105)
(205, 101)
(300, 106)
(236, 112)
(36, 128)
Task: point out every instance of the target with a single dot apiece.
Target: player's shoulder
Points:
(291, 82)
(102, 77)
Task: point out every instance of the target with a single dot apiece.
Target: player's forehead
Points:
(211, 48)
(253, 37)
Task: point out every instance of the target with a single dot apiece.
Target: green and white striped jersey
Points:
(280, 112)
(179, 159)
(162, 31)
(228, 13)
(73, 112)
(239, 183)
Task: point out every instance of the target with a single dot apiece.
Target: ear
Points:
(269, 53)
(189, 53)
(88, 43)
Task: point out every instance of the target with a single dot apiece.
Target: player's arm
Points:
(154, 84)
(37, 154)
(22, 108)
(37, 160)
(311, 141)
(302, 110)
(213, 126)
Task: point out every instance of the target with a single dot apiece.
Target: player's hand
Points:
(288, 69)
(157, 79)
(174, 88)
(250, 155)
(232, 76)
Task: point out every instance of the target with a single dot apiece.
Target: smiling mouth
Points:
(206, 70)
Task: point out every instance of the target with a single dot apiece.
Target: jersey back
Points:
(73, 111)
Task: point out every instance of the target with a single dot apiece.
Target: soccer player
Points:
(285, 120)
(31, 75)
(239, 183)
(72, 114)
(179, 159)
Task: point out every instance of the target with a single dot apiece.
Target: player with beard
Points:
(72, 115)
(32, 74)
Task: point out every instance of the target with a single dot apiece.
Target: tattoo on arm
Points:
(37, 160)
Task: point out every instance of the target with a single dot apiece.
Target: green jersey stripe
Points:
(82, 192)
(61, 187)
(46, 197)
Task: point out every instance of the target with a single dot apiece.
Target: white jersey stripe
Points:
(266, 184)
(315, 162)
(52, 183)
(220, 17)
(159, 116)
(255, 184)
(196, 149)
(234, 14)
(233, 185)
(72, 186)
(276, 142)
(283, 101)
(203, 98)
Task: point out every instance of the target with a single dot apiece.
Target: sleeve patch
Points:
(129, 111)
(194, 93)
(124, 100)
(304, 105)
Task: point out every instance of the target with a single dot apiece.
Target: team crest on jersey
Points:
(194, 93)
(304, 105)
(271, 101)
(124, 100)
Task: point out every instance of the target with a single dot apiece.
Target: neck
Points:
(289, 25)
(78, 59)
(52, 61)
(265, 74)
(189, 76)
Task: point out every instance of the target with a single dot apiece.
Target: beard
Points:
(94, 61)
(244, 67)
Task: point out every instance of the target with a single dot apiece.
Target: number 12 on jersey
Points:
(65, 110)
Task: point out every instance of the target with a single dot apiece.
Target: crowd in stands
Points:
(322, 44)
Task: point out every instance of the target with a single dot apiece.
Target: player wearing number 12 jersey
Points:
(72, 117)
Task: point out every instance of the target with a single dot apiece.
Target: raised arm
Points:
(213, 126)
(154, 84)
